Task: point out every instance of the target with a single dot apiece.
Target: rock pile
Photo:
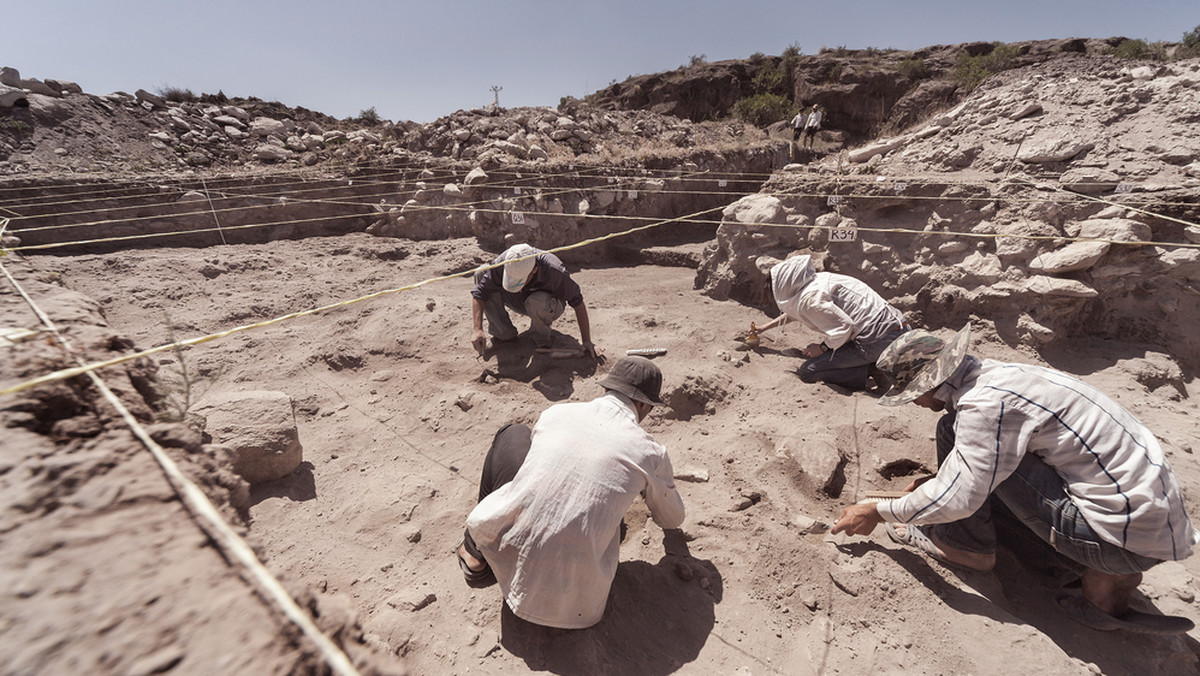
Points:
(1060, 179)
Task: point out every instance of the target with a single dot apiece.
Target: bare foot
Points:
(473, 563)
(1108, 592)
(981, 562)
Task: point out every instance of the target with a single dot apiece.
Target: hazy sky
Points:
(421, 60)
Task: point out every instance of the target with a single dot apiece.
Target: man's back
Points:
(551, 535)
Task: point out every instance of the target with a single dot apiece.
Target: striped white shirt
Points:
(1113, 466)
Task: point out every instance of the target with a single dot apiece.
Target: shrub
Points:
(770, 79)
(914, 69)
(1190, 45)
(972, 70)
(368, 116)
(763, 109)
(177, 94)
(697, 60)
(1131, 49)
(7, 124)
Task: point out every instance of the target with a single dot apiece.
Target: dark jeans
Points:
(507, 453)
(848, 365)
(1032, 515)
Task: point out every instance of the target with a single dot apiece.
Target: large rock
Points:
(10, 77)
(153, 99)
(12, 96)
(260, 427)
(1053, 149)
(1054, 286)
(1071, 258)
(1089, 181)
(266, 126)
(1115, 229)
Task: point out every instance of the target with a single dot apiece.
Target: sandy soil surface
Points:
(395, 414)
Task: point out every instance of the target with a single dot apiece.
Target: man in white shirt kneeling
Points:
(548, 521)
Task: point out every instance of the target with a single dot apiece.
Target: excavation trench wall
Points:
(548, 206)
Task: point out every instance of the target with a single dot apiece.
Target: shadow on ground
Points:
(655, 622)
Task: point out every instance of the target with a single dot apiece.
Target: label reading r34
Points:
(843, 234)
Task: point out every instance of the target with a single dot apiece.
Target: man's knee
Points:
(809, 373)
(498, 332)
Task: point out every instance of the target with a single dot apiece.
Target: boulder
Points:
(229, 121)
(10, 77)
(1052, 149)
(153, 99)
(12, 96)
(1054, 286)
(266, 126)
(1071, 258)
(36, 86)
(260, 427)
(1115, 229)
(267, 152)
(476, 175)
(1089, 181)
(860, 155)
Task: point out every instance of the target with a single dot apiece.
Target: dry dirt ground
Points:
(395, 420)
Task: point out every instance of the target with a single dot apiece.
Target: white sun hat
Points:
(517, 272)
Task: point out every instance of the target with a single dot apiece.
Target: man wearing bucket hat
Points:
(547, 525)
(857, 323)
(533, 283)
(1028, 451)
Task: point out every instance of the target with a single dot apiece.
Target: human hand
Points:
(591, 350)
(916, 483)
(858, 519)
(813, 350)
(479, 341)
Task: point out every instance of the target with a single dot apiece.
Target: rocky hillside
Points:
(863, 91)
(1058, 200)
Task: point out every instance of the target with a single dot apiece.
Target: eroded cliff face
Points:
(863, 92)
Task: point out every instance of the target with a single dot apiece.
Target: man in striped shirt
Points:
(1060, 458)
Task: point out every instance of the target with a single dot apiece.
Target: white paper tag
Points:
(848, 233)
(518, 218)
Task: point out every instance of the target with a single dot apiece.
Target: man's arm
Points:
(665, 503)
(858, 519)
(585, 331)
(478, 337)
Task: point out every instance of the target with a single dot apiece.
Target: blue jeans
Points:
(1033, 501)
(848, 365)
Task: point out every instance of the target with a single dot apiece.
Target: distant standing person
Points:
(798, 125)
(533, 283)
(551, 501)
(858, 323)
(812, 126)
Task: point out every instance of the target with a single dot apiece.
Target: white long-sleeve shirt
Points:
(839, 306)
(552, 534)
(1113, 466)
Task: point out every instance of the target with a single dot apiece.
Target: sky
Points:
(422, 60)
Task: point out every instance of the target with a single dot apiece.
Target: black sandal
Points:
(474, 578)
